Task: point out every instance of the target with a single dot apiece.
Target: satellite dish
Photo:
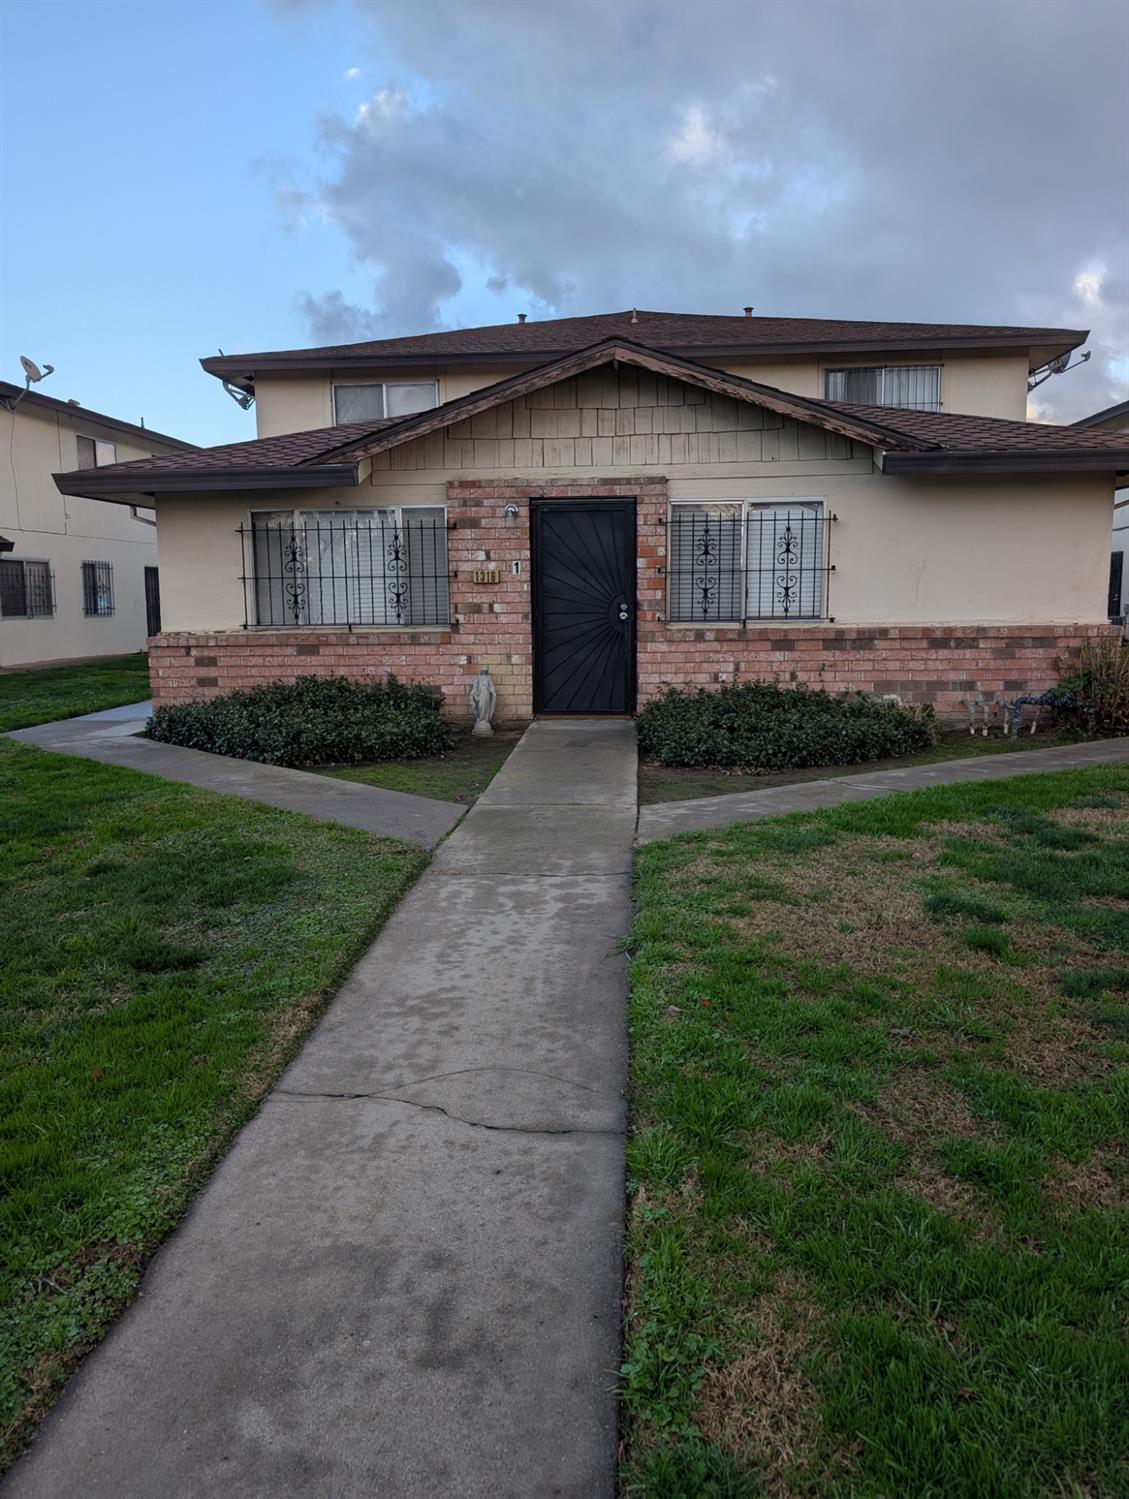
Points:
(1058, 366)
(32, 370)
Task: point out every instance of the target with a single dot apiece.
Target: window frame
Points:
(747, 505)
(250, 576)
(93, 592)
(24, 563)
(95, 444)
(883, 370)
(382, 385)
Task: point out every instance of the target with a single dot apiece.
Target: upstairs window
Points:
(26, 590)
(742, 560)
(908, 387)
(97, 588)
(347, 567)
(363, 403)
(94, 453)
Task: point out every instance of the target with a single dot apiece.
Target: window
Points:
(362, 403)
(26, 589)
(910, 387)
(348, 567)
(97, 588)
(94, 453)
(738, 560)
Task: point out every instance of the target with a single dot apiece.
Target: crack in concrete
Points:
(436, 1108)
(439, 1077)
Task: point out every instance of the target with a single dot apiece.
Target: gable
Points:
(617, 416)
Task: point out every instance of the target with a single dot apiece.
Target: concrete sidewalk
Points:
(404, 1279)
(665, 819)
(113, 737)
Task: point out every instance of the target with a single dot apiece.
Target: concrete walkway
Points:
(113, 737)
(404, 1279)
(665, 819)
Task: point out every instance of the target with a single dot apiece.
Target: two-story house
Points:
(78, 577)
(592, 507)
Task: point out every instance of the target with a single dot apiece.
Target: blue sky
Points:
(179, 178)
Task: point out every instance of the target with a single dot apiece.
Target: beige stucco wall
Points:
(979, 385)
(942, 550)
(67, 531)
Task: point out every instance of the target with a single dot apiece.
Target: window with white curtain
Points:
(738, 560)
(362, 403)
(910, 387)
(350, 567)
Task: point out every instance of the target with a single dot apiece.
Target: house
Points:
(593, 507)
(78, 577)
(1115, 419)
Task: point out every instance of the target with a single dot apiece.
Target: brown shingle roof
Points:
(682, 332)
(328, 455)
(986, 434)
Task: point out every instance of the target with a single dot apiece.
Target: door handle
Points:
(623, 613)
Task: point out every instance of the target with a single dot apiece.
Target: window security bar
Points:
(381, 567)
(767, 563)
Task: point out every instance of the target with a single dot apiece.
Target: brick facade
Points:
(938, 664)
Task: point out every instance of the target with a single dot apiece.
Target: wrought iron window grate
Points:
(731, 563)
(357, 567)
(97, 588)
(27, 589)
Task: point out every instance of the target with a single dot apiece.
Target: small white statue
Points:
(483, 699)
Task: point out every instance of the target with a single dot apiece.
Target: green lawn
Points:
(878, 1240)
(460, 775)
(50, 692)
(660, 783)
(165, 950)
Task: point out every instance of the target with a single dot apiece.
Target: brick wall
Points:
(938, 664)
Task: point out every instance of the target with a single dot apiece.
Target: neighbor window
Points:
(97, 588)
(362, 403)
(348, 567)
(25, 589)
(740, 560)
(911, 387)
(94, 453)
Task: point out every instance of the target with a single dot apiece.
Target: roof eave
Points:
(86, 484)
(241, 371)
(1112, 462)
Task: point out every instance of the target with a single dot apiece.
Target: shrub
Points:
(313, 721)
(759, 726)
(1100, 684)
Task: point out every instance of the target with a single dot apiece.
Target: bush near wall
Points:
(312, 721)
(759, 726)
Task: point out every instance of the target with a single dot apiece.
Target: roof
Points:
(686, 333)
(326, 456)
(83, 413)
(1117, 412)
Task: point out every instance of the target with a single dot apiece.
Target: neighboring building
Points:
(75, 573)
(593, 507)
(1115, 419)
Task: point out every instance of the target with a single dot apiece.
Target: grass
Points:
(165, 950)
(50, 692)
(460, 775)
(878, 1235)
(659, 783)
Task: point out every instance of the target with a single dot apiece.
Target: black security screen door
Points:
(584, 606)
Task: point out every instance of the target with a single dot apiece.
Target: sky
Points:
(181, 176)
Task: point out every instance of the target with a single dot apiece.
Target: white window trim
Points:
(746, 505)
(383, 386)
(883, 370)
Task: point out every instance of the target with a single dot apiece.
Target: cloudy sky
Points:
(271, 173)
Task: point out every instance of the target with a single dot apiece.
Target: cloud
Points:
(863, 159)
(352, 73)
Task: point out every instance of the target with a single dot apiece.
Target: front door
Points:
(583, 606)
(152, 602)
